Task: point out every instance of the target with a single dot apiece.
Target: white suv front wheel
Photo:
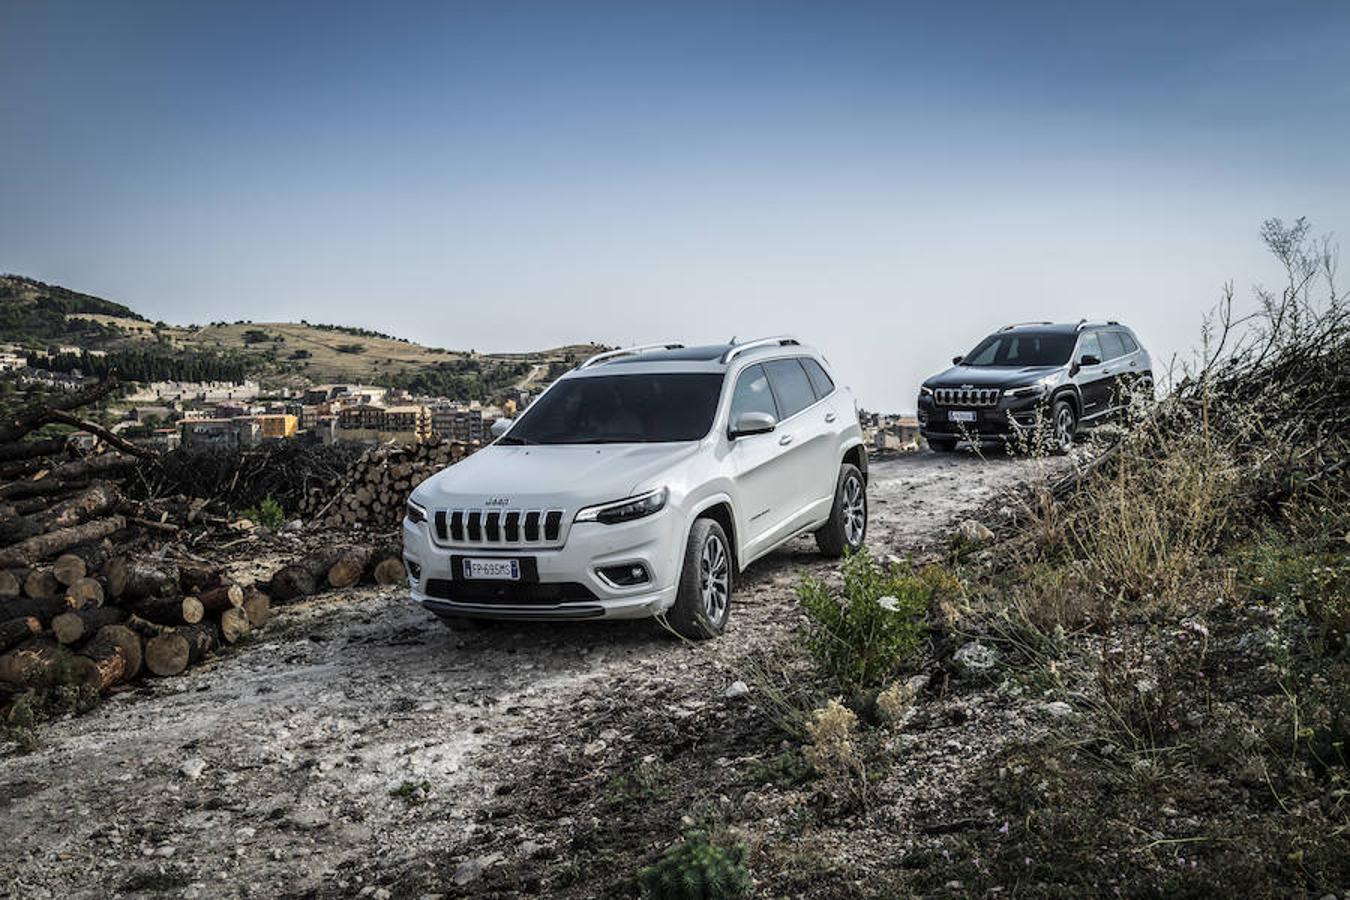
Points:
(703, 601)
(847, 528)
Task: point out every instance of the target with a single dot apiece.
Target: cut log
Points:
(32, 449)
(13, 631)
(41, 584)
(25, 553)
(79, 624)
(145, 628)
(11, 585)
(100, 664)
(290, 583)
(129, 641)
(97, 500)
(195, 578)
(257, 606)
(168, 610)
(69, 568)
(43, 487)
(390, 571)
(219, 599)
(44, 609)
(29, 663)
(133, 579)
(85, 593)
(234, 624)
(172, 652)
(346, 570)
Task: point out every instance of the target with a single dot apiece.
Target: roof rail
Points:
(781, 340)
(1020, 324)
(1084, 323)
(627, 351)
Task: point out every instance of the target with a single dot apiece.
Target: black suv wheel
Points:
(1063, 425)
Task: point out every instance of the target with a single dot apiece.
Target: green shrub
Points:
(696, 868)
(864, 637)
(267, 513)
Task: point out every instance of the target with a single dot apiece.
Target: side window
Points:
(790, 385)
(753, 394)
(1130, 345)
(1088, 346)
(820, 382)
(1112, 346)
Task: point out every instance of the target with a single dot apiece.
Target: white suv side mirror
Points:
(499, 427)
(748, 423)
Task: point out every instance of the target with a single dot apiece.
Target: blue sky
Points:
(890, 181)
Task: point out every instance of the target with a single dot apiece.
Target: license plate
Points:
(492, 569)
(960, 415)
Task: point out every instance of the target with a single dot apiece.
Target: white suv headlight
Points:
(626, 510)
(416, 514)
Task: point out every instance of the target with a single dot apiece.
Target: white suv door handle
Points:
(785, 440)
(830, 417)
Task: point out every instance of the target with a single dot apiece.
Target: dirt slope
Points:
(357, 741)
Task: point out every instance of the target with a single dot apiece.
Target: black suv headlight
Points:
(925, 391)
(415, 513)
(626, 510)
(1028, 390)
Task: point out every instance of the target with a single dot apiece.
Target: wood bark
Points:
(195, 577)
(94, 501)
(29, 662)
(347, 568)
(290, 583)
(31, 449)
(77, 625)
(101, 664)
(129, 641)
(219, 599)
(390, 571)
(84, 594)
(134, 579)
(168, 610)
(110, 438)
(44, 609)
(172, 652)
(25, 553)
(257, 606)
(144, 627)
(34, 415)
(20, 628)
(11, 585)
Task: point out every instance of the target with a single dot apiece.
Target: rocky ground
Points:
(356, 747)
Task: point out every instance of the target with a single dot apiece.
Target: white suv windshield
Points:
(622, 409)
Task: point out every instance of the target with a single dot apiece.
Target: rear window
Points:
(820, 382)
(790, 386)
(1130, 345)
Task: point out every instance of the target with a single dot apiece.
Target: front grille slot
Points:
(498, 528)
(966, 396)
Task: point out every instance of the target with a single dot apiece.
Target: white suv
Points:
(642, 483)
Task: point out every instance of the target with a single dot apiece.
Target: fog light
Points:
(626, 575)
(414, 570)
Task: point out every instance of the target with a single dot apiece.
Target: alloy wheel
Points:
(1064, 428)
(714, 578)
(855, 512)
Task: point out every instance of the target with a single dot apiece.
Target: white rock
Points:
(1058, 709)
(192, 768)
(975, 533)
(737, 689)
(974, 658)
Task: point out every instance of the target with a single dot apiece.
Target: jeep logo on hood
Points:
(497, 501)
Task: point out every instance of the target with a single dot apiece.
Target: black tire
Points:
(847, 528)
(941, 445)
(696, 613)
(1063, 425)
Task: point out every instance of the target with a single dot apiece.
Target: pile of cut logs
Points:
(373, 491)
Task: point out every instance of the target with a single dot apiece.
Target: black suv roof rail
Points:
(1084, 323)
(1020, 324)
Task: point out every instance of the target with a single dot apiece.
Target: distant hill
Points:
(38, 315)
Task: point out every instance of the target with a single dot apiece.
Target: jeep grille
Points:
(498, 527)
(966, 396)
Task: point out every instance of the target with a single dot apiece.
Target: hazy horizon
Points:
(889, 183)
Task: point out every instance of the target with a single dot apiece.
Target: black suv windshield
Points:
(1022, 348)
(621, 409)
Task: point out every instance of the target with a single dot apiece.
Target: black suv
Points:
(1035, 381)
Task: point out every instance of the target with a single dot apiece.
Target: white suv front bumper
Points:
(655, 542)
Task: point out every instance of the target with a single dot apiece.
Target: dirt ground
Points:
(355, 747)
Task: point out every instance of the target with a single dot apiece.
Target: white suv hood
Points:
(555, 476)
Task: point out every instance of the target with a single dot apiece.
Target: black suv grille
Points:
(966, 396)
(498, 527)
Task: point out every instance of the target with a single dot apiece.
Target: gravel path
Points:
(356, 732)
